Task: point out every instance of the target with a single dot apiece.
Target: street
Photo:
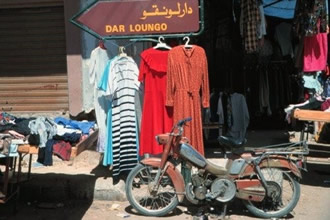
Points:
(313, 204)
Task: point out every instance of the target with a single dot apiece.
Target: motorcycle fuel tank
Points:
(191, 155)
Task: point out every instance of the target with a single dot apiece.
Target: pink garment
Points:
(325, 105)
(315, 52)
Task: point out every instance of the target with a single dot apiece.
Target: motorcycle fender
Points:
(172, 172)
(275, 162)
(250, 189)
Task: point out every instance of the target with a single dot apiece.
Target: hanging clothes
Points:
(264, 101)
(103, 85)
(220, 113)
(250, 21)
(156, 117)
(315, 52)
(98, 60)
(240, 116)
(187, 76)
(283, 36)
(311, 17)
(121, 89)
(261, 29)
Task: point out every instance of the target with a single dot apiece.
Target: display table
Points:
(310, 116)
(11, 176)
(12, 165)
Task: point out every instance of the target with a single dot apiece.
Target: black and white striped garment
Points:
(122, 86)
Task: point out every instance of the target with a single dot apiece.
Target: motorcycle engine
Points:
(201, 188)
(222, 190)
(197, 189)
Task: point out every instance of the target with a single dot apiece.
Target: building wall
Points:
(33, 68)
(79, 45)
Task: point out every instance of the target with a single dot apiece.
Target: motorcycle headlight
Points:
(161, 139)
(157, 139)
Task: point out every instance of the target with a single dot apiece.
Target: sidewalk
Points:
(84, 178)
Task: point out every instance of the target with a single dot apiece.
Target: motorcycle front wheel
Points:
(139, 185)
(284, 196)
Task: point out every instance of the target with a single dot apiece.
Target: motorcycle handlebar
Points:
(183, 121)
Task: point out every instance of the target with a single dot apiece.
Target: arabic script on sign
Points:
(168, 13)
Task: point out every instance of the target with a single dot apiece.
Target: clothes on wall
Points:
(250, 22)
(261, 29)
(187, 74)
(310, 26)
(233, 114)
(311, 17)
(103, 85)
(98, 60)
(283, 35)
(315, 52)
(156, 117)
(301, 41)
(122, 130)
(171, 81)
(264, 102)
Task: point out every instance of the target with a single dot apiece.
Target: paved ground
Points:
(313, 204)
(84, 190)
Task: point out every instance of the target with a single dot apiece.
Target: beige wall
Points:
(74, 59)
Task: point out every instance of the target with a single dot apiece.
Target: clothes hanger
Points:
(122, 51)
(162, 44)
(101, 44)
(187, 45)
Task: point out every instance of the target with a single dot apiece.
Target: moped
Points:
(265, 179)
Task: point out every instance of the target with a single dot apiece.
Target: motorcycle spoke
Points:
(143, 194)
(144, 201)
(147, 175)
(154, 204)
(164, 198)
(161, 199)
(274, 203)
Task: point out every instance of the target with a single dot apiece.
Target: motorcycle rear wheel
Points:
(287, 197)
(138, 185)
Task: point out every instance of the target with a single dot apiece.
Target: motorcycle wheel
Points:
(286, 194)
(138, 191)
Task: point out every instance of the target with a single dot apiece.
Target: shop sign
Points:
(125, 18)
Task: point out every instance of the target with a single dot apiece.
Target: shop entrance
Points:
(266, 78)
(33, 73)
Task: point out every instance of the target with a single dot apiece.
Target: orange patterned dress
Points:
(188, 89)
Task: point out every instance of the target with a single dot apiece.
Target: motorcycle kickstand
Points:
(224, 211)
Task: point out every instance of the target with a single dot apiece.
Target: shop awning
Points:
(279, 8)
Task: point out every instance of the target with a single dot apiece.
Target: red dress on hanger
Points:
(188, 90)
(156, 117)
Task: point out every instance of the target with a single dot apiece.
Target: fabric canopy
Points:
(280, 8)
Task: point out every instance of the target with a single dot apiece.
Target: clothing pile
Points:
(52, 136)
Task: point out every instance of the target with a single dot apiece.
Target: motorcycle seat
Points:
(215, 169)
(231, 142)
